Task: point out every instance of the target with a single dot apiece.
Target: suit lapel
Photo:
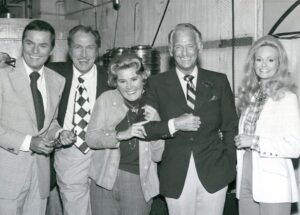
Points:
(175, 90)
(202, 91)
(99, 85)
(52, 96)
(21, 83)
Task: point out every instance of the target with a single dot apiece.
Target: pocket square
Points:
(213, 98)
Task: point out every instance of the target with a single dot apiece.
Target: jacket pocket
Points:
(276, 166)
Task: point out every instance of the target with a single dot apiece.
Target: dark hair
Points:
(125, 61)
(85, 29)
(40, 25)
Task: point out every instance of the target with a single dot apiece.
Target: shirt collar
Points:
(30, 70)
(193, 73)
(87, 76)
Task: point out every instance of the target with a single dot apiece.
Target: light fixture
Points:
(116, 4)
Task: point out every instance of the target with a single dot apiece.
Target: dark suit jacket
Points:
(215, 157)
(66, 70)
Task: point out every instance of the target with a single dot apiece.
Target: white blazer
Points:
(278, 128)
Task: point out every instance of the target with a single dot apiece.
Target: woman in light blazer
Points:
(123, 169)
(269, 132)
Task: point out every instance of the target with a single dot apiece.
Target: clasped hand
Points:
(42, 145)
(244, 141)
(135, 130)
(150, 113)
(187, 122)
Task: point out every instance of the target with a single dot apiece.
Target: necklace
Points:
(133, 108)
(133, 141)
(261, 96)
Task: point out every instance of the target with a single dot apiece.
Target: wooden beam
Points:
(214, 44)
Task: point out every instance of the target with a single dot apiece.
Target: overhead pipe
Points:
(89, 8)
(28, 9)
(286, 13)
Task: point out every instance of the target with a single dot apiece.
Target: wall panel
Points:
(139, 19)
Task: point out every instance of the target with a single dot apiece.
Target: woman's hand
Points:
(135, 130)
(150, 113)
(244, 141)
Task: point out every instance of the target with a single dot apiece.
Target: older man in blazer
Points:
(199, 123)
(71, 164)
(28, 126)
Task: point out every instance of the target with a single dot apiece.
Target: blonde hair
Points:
(276, 86)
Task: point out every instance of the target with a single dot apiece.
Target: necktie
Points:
(37, 99)
(190, 91)
(81, 117)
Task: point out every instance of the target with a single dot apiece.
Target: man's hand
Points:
(41, 145)
(67, 137)
(187, 122)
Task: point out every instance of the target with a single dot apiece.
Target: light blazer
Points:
(108, 112)
(278, 128)
(215, 158)
(17, 119)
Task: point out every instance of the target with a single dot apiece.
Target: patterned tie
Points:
(190, 91)
(37, 100)
(82, 115)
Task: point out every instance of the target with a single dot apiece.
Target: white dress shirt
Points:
(90, 83)
(183, 84)
(42, 88)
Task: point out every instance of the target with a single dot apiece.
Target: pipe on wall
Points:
(89, 7)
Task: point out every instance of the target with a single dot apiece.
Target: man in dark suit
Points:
(199, 123)
(30, 95)
(72, 163)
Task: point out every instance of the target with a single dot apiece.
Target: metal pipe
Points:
(161, 20)
(89, 8)
(286, 13)
(28, 9)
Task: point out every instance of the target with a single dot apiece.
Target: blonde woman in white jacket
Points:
(269, 133)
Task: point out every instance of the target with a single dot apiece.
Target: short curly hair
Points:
(125, 61)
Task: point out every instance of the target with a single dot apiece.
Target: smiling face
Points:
(36, 48)
(83, 51)
(185, 50)
(130, 84)
(266, 62)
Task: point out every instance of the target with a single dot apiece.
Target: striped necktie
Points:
(190, 91)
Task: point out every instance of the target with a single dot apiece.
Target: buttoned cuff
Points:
(26, 144)
(171, 126)
(58, 133)
(255, 144)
